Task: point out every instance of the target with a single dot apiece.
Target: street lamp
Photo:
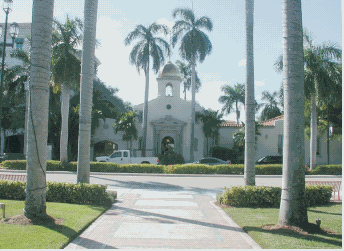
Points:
(14, 29)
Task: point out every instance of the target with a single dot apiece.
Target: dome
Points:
(169, 71)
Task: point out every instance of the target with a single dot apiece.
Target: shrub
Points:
(14, 164)
(13, 190)
(223, 153)
(270, 169)
(92, 194)
(171, 158)
(252, 196)
(318, 194)
(191, 169)
(327, 170)
(229, 169)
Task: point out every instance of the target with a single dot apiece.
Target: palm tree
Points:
(319, 64)
(270, 108)
(86, 87)
(126, 124)
(211, 124)
(233, 95)
(148, 46)
(293, 209)
(250, 103)
(41, 31)
(195, 46)
(66, 70)
(185, 70)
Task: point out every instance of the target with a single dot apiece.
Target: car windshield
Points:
(115, 155)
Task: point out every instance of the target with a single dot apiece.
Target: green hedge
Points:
(275, 169)
(327, 170)
(260, 196)
(88, 194)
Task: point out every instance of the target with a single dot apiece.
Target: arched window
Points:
(169, 89)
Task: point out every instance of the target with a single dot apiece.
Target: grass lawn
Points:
(48, 236)
(251, 220)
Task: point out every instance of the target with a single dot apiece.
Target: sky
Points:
(225, 65)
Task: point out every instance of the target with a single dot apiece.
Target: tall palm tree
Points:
(195, 46)
(233, 95)
(185, 70)
(270, 108)
(319, 64)
(41, 33)
(293, 209)
(66, 70)
(148, 47)
(126, 123)
(211, 124)
(86, 90)
(250, 102)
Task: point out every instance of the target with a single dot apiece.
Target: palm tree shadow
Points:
(318, 237)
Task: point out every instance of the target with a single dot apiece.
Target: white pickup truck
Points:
(124, 157)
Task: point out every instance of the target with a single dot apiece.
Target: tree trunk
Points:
(237, 112)
(193, 101)
(313, 140)
(65, 95)
(86, 90)
(250, 152)
(293, 210)
(41, 34)
(145, 113)
(27, 97)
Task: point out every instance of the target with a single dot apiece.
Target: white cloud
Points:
(166, 22)
(259, 83)
(242, 62)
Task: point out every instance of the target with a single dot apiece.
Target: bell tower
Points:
(169, 81)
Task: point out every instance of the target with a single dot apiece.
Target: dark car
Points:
(212, 161)
(270, 160)
(12, 156)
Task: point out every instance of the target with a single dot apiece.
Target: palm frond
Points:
(204, 22)
(186, 14)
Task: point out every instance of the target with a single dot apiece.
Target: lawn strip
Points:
(252, 219)
(75, 219)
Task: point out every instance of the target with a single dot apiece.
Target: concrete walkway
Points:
(164, 219)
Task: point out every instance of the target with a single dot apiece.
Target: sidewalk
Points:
(163, 219)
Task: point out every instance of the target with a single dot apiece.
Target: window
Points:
(125, 154)
(318, 145)
(115, 155)
(169, 89)
(195, 144)
(19, 43)
(140, 143)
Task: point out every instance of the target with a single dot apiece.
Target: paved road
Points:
(201, 184)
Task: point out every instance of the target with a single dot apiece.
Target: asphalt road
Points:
(201, 184)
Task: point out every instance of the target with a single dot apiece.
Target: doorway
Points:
(167, 145)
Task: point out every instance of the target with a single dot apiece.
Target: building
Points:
(169, 118)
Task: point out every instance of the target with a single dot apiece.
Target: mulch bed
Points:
(22, 220)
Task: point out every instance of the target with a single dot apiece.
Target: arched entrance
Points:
(167, 145)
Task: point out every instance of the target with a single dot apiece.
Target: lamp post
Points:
(14, 29)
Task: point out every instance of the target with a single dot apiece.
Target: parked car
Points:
(12, 156)
(212, 161)
(270, 160)
(125, 157)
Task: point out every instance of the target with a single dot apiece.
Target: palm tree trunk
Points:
(313, 143)
(86, 90)
(293, 210)
(237, 112)
(145, 113)
(27, 97)
(41, 34)
(65, 94)
(193, 88)
(250, 152)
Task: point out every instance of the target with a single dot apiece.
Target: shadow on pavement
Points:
(168, 219)
(91, 244)
(158, 186)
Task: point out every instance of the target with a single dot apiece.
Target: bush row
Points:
(87, 194)
(251, 196)
(275, 169)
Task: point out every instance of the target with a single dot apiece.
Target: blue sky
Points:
(226, 64)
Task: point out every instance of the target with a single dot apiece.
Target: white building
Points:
(169, 118)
